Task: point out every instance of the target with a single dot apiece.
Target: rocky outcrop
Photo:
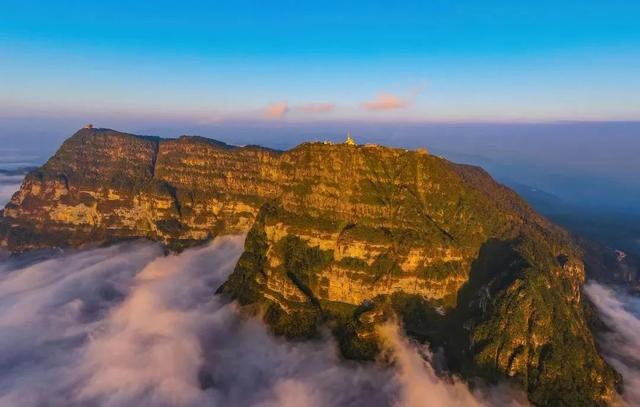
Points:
(342, 235)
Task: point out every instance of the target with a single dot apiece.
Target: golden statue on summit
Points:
(349, 141)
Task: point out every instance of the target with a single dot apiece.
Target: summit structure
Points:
(349, 141)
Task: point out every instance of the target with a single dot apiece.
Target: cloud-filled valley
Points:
(127, 325)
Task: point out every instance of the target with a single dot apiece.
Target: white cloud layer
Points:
(127, 326)
(9, 184)
(621, 345)
(420, 385)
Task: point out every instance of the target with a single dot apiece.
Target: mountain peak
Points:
(341, 235)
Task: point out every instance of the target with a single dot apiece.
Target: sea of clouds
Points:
(126, 325)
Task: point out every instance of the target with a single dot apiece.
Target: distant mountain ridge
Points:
(342, 235)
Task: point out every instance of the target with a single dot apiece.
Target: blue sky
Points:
(295, 61)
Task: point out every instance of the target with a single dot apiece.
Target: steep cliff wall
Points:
(463, 261)
(341, 235)
(104, 185)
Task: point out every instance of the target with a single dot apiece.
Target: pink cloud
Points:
(277, 110)
(317, 107)
(385, 101)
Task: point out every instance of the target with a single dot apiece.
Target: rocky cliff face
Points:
(104, 185)
(344, 236)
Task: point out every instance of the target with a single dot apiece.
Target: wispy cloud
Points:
(316, 107)
(419, 382)
(277, 110)
(385, 101)
(417, 90)
(390, 101)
